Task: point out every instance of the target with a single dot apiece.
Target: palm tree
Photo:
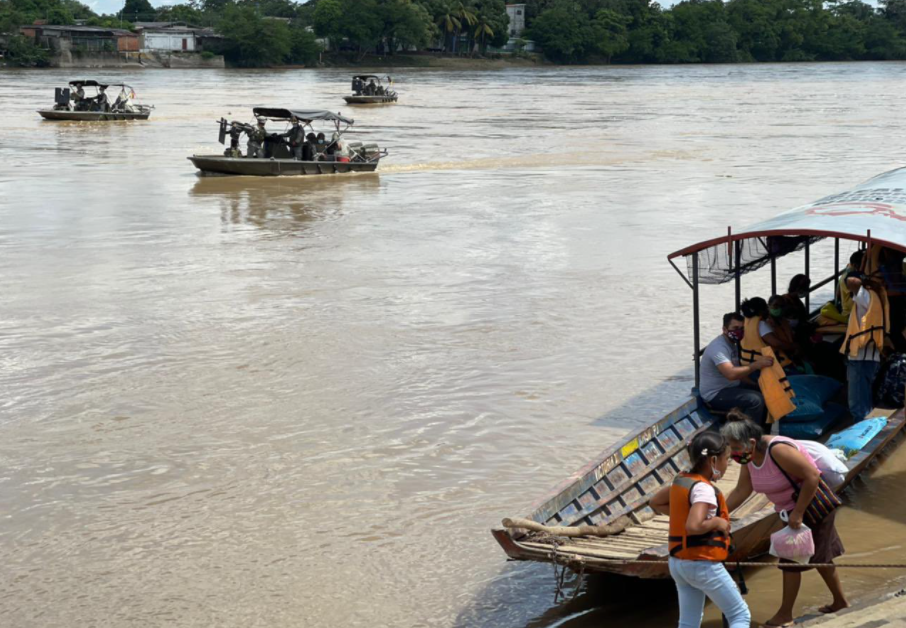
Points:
(448, 23)
(466, 17)
(482, 30)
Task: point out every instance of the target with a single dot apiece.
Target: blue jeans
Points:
(860, 377)
(697, 578)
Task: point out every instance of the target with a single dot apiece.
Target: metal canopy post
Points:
(836, 268)
(738, 247)
(695, 322)
(773, 274)
(807, 292)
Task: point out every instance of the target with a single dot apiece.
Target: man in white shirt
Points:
(724, 383)
(862, 368)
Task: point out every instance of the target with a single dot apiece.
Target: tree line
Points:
(252, 36)
(568, 31)
(712, 31)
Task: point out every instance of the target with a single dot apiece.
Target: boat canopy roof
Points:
(309, 115)
(91, 83)
(874, 212)
(366, 77)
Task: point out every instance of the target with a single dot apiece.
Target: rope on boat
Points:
(562, 562)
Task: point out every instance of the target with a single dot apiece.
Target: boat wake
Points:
(558, 160)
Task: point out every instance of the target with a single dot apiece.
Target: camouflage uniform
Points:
(255, 146)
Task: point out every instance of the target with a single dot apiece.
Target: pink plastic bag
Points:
(796, 545)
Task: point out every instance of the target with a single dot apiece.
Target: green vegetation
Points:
(711, 31)
(22, 52)
(273, 32)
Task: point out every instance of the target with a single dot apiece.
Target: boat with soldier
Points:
(88, 101)
(368, 89)
(300, 148)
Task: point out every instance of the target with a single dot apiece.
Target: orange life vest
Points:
(776, 389)
(752, 343)
(715, 545)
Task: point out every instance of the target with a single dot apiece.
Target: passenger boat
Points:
(614, 489)
(71, 103)
(367, 89)
(278, 160)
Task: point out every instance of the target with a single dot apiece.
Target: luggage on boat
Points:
(891, 382)
(832, 468)
(816, 426)
(813, 392)
(853, 439)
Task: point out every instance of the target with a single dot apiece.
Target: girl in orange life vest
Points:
(700, 535)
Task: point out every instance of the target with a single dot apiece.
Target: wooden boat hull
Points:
(92, 116)
(619, 483)
(369, 100)
(218, 164)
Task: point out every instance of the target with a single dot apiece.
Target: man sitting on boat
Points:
(724, 383)
(101, 103)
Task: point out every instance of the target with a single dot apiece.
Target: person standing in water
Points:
(699, 539)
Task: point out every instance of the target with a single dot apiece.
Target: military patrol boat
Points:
(292, 152)
(367, 89)
(72, 103)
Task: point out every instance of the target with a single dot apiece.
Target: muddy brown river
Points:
(304, 402)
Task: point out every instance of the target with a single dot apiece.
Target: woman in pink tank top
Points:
(764, 460)
(767, 478)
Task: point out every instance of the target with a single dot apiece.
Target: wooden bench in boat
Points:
(621, 481)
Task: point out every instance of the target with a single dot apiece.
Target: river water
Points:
(305, 402)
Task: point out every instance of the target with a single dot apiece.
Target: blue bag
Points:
(816, 388)
(853, 439)
(813, 428)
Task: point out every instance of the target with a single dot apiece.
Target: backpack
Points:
(890, 385)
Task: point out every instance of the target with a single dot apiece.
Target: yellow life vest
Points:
(775, 388)
(751, 345)
(873, 327)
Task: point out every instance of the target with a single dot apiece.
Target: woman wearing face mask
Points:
(700, 535)
(759, 333)
(764, 461)
(777, 331)
(795, 304)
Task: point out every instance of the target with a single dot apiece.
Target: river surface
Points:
(304, 402)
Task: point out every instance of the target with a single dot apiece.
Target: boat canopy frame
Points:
(366, 77)
(306, 115)
(873, 213)
(93, 83)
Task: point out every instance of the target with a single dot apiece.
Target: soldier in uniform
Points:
(78, 98)
(257, 135)
(235, 133)
(295, 137)
(102, 103)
